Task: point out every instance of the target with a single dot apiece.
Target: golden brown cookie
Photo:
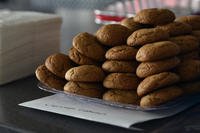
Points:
(196, 33)
(85, 73)
(191, 87)
(161, 96)
(144, 36)
(49, 79)
(121, 96)
(187, 43)
(176, 28)
(193, 20)
(113, 34)
(157, 51)
(156, 81)
(120, 66)
(123, 52)
(131, 24)
(125, 81)
(189, 70)
(150, 68)
(154, 16)
(191, 55)
(86, 89)
(80, 59)
(58, 64)
(88, 45)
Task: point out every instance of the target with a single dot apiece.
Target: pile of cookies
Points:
(148, 59)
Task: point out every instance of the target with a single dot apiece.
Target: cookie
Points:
(161, 96)
(80, 59)
(144, 36)
(88, 45)
(156, 81)
(196, 33)
(123, 52)
(191, 55)
(120, 66)
(85, 73)
(113, 34)
(131, 24)
(59, 64)
(150, 68)
(154, 16)
(48, 78)
(187, 43)
(176, 28)
(189, 70)
(94, 90)
(157, 51)
(121, 96)
(191, 87)
(124, 81)
(192, 20)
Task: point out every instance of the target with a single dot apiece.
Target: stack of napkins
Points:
(26, 39)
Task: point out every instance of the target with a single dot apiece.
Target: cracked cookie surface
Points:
(154, 16)
(144, 36)
(150, 68)
(156, 81)
(113, 34)
(88, 45)
(126, 81)
(123, 52)
(80, 59)
(85, 73)
(121, 96)
(87, 89)
(58, 64)
(161, 96)
(49, 79)
(157, 51)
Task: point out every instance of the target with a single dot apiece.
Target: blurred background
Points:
(88, 15)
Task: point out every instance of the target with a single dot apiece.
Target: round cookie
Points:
(154, 16)
(176, 28)
(123, 52)
(124, 81)
(191, 87)
(187, 43)
(189, 70)
(88, 45)
(58, 64)
(120, 66)
(80, 59)
(121, 96)
(192, 20)
(157, 51)
(156, 81)
(48, 78)
(86, 89)
(150, 68)
(161, 96)
(113, 34)
(85, 73)
(131, 24)
(191, 55)
(196, 33)
(144, 36)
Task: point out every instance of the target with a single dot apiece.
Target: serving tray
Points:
(165, 106)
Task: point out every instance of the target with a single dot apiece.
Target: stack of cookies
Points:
(148, 59)
(52, 72)
(157, 56)
(86, 79)
(120, 64)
